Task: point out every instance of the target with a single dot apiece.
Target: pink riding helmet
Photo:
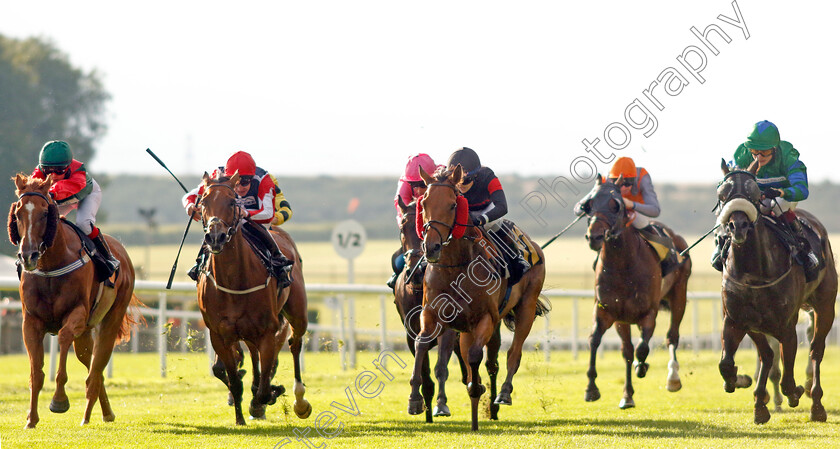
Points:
(412, 172)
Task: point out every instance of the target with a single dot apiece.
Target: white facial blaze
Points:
(30, 208)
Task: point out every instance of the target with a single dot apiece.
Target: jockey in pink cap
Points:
(409, 188)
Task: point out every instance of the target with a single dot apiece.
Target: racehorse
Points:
(763, 290)
(408, 297)
(463, 290)
(241, 301)
(60, 293)
(630, 288)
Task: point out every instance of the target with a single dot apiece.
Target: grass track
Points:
(187, 409)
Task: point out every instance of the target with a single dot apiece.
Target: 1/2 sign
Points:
(348, 239)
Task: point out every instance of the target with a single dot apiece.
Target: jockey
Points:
(74, 188)
(488, 204)
(409, 188)
(639, 196)
(257, 194)
(783, 180)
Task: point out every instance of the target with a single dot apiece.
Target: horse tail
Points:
(132, 317)
(543, 307)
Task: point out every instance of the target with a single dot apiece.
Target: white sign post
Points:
(348, 239)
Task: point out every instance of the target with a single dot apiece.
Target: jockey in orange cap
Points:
(639, 197)
(257, 194)
(409, 188)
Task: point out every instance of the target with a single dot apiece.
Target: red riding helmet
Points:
(241, 161)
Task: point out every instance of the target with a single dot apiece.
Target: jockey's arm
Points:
(797, 176)
(265, 198)
(497, 207)
(188, 201)
(283, 207)
(650, 208)
(65, 188)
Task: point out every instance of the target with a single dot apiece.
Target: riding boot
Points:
(397, 265)
(719, 254)
(804, 253)
(518, 266)
(199, 262)
(281, 266)
(107, 262)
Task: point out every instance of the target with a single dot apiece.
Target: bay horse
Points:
(60, 294)
(408, 297)
(463, 290)
(241, 301)
(764, 289)
(630, 288)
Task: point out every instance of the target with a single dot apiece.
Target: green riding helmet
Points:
(55, 154)
(764, 136)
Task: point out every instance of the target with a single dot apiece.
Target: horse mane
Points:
(443, 173)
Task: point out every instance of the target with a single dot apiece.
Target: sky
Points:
(354, 88)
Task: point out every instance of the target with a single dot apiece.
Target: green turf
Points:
(187, 409)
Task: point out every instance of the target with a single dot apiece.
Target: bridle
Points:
(231, 228)
(450, 227)
(611, 219)
(43, 246)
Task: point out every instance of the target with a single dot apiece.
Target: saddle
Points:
(256, 240)
(786, 236)
(98, 258)
(501, 258)
(663, 245)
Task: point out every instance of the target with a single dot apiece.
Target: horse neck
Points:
(458, 252)
(620, 252)
(232, 260)
(59, 253)
(757, 256)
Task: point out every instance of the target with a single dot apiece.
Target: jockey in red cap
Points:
(260, 199)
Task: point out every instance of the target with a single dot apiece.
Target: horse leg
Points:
(226, 362)
(103, 347)
(422, 343)
(83, 347)
(476, 341)
(731, 337)
(809, 367)
(623, 330)
(524, 319)
(492, 365)
(428, 386)
(646, 325)
(73, 326)
(256, 409)
(602, 323)
(678, 301)
(33, 339)
(775, 373)
(446, 344)
(294, 311)
(765, 355)
(822, 324)
(789, 387)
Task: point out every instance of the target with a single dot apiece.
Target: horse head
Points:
(219, 211)
(739, 197)
(605, 209)
(409, 238)
(443, 210)
(33, 219)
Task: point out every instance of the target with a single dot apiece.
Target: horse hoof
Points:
(592, 395)
(742, 381)
(674, 385)
(416, 406)
(641, 369)
(626, 403)
(762, 415)
(503, 399)
(59, 406)
(240, 421)
(473, 394)
(257, 411)
(441, 410)
(276, 391)
(230, 399)
(109, 418)
(818, 413)
(303, 409)
(793, 400)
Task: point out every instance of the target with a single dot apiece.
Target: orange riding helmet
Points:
(623, 166)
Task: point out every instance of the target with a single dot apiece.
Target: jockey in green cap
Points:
(783, 180)
(74, 188)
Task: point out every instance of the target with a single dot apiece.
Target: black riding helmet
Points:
(469, 161)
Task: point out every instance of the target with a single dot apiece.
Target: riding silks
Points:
(663, 245)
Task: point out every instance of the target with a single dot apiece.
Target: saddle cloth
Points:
(501, 258)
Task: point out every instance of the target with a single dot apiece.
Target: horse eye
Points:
(453, 206)
(587, 207)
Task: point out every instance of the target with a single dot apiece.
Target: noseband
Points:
(231, 228)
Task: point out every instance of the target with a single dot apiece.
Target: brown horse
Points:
(408, 297)
(240, 301)
(61, 294)
(630, 288)
(463, 290)
(763, 290)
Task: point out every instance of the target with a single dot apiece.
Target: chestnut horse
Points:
(630, 288)
(241, 301)
(763, 291)
(60, 293)
(408, 297)
(463, 290)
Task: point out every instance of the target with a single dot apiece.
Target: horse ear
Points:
(599, 179)
(234, 179)
(20, 180)
(753, 168)
(619, 180)
(14, 237)
(724, 167)
(206, 178)
(457, 174)
(427, 178)
(401, 204)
